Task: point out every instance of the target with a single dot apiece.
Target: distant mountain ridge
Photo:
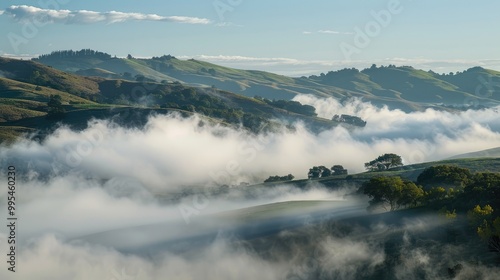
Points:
(403, 87)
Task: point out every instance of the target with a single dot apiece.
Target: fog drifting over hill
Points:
(170, 151)
(105, 177)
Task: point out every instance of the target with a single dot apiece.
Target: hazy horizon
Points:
(307, 39)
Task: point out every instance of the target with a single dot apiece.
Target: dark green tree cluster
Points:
(348, 119)
(445, 187)
(487, 225)
(319, 172)
(55, 107)
(322, 171)
(445, 175)
(190, 99)
(292, 106)
(177, 96)
(72, 53)
(334, 76)
(392, 192)
(339, 170)
(384, 162)
(164, 57)
(277, 178)
(38, 78)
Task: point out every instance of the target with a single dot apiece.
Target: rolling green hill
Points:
(477, 80)
(494, 152)
(411, 172)
(26, 87)
(407, 83)
(19, 100)
(42, 75)
(404, 88)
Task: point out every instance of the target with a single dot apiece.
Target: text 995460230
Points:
(11, 218)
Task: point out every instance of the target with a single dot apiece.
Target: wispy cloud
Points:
(326, 31)
(27, 13)
(332, 32)
(228, 24)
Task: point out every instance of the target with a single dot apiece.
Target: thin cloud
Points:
(326, 31)
(29, 13)
(333, 32)
(228, 24)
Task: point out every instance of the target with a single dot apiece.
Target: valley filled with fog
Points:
(182, 198)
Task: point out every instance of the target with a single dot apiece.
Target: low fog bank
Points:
(73, 205)
(106, 178)
(411, 248)
(433, 134)
(171, 152)
(399, 245)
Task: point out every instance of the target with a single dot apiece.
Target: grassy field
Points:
(11, 89)
(10, 134)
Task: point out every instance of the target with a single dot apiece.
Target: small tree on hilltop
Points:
(319, 172)
(384, 162)
(339, 170)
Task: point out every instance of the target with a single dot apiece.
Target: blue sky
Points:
(292, 37)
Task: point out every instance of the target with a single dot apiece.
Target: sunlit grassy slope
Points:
(26, 86)
(404, 87)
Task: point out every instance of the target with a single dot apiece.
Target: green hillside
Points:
(476, 80)
(42, 75)
(410, 172)
(494, 152)
(169, 68)
(409, 84)
(19, 100)
(404, 88)
(29, 85)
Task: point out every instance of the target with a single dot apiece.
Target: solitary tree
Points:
(384, 162)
